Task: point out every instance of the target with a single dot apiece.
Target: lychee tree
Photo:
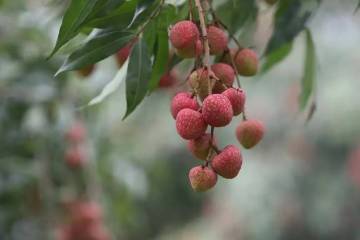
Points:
(149, 38)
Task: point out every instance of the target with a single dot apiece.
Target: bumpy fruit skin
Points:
(184, 34)
(123, 54)
(250, 132)
(217, 110)
(246, 62)
(76, 133)
(181, 101)
(199, 81)
(202, 178)
(200, 147)
(217, 40)
(190, 124)
(226, 75)
(86, 71)
(227, 163)
(237, 98)
(75, 157)
(190, 52)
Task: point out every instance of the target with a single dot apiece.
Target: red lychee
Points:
(217, 110)
(226, 76)
(250, 132)
(184, 34)
(183, 100)
(123, 54)
(76, 133)
(237, 99)
(199, 81)
(217, 40)
(227, 163)
(200, 147)
(190, 124)
(190, 52)
(246, 62)
(86, 71)
(202, 178)
(75, 157)
(168, 80)
(86, 213)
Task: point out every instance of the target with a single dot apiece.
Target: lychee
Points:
(190, 52)
(201, 146)
(246, 62)
(183, 100)
(123, 54)
(190, 124)
(250, 132)
(184, 34)
(75, 157)
(86, 212)
(237, 99)
(217, 110)
(202, 178)
(199, 81)
(226, 76)
(227, 163)
(86, 71)
(217, 40)
(76, 133)
(167, 80)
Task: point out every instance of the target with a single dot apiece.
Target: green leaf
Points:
(358, 7)
(276, 57)
(137, 77)
(234, 14)
(105, 43)
(290, 19)
(74, 17)
(161, 59)
(143, 10)
(308, 80)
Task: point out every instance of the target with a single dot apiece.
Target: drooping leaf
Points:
(112, 86)
(308, 80)
(74, 17)
(234, 14)
(137, 79)
(105, 43)
(143, 10)
(276, 56)
(161, 59)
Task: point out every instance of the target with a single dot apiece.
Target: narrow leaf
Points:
(105, 43)
(276, 57)
(358, 7)
(308, 80)
(138, 74)
(112, 85)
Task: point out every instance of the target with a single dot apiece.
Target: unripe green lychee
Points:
(202, 178)
(217, 40)
(190, 124)
(190, 52)
(217, 110)
(227, 163)
(199, 81)
(181, 101)
(226, 76)
(86, 71)
(184, 34)
(123, 54)
(200, 147)
(246, 62)
(237, 99)
(250, 132)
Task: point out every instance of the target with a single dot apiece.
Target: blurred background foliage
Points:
(301, 182)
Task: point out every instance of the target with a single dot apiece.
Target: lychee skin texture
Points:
(181, 101)
(184, 34)
(227, 163)
(250, 132)
(190, 52)
(86, 71)
(200, 147)
(246, 62)
(202, 178)
(217, 110)
(123, 54)
(190, 124)
(237, 98)
(199, 81)
(217, 40)
(226, 75)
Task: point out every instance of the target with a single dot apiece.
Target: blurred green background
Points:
(301, 182)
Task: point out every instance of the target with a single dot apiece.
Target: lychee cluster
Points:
(84, 222)
(75, 153)
(213, 101)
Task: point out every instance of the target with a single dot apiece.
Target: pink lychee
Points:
(200, 147)
(190, 124)
(75, 157)
(202, 178)
(250, 132)
(246, 62)
(226, 76)
(184, 34)
(237, 99)
(183, 100)
(217, 40)
(228, 162)
(217, 110)
(123, 54)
